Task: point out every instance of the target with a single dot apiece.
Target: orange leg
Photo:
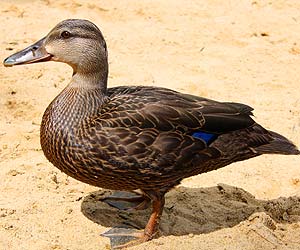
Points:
(151, 228)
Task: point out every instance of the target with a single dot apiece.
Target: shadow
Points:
(195, 210)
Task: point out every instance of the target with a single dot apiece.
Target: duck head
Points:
(76, 42)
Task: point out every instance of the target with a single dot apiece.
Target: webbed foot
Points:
(127, 201)
(124, 236)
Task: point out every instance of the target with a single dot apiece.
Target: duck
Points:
(140, 139)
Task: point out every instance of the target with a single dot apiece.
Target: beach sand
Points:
(239, 51)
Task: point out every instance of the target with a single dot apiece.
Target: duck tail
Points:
(279, 145)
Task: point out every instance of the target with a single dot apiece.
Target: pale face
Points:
(78, 43)
(80, 47)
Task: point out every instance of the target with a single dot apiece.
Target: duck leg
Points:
(126, 237)
(151, 228)
(128, 200)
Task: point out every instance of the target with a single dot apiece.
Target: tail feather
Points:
(279, 145)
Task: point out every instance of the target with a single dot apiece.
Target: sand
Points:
(241, 51)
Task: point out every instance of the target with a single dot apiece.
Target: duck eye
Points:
(65, 34)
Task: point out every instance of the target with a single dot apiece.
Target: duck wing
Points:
(168, 110)
(161, 127)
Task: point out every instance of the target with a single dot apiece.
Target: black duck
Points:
(136, 138)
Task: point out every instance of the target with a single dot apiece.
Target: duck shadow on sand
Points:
(195, 210)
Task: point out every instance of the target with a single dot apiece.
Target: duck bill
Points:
(32, 54)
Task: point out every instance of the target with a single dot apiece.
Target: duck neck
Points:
(83, 96)
(91, 72)
(89, 81)
(75, 103)
(88, 91)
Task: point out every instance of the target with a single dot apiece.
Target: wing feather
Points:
(167, 110)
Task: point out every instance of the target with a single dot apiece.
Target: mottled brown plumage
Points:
(129, 138)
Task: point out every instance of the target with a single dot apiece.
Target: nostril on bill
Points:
(33, 49)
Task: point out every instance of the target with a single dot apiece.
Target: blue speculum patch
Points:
(207, 137)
